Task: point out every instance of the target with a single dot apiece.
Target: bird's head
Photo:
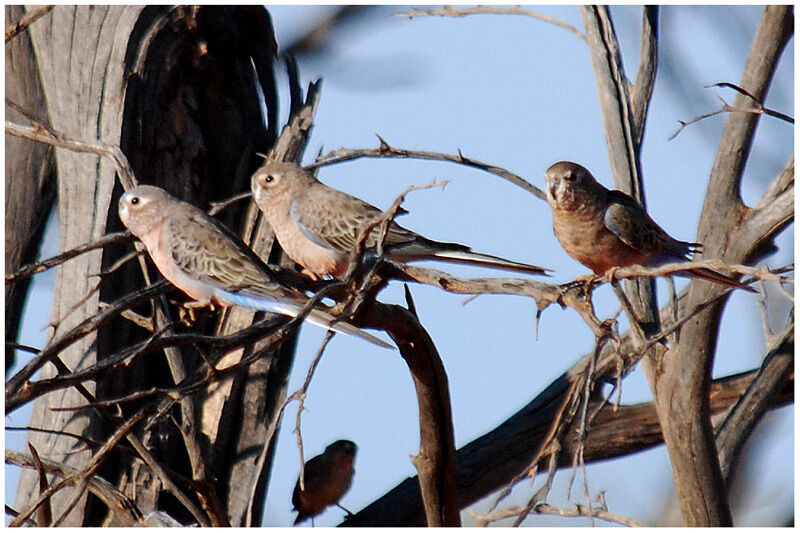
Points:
(275, 179)
(565, 181)
(344, 447)
(143, 207)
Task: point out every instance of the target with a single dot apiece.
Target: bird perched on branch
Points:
(202, 258)
(318, 227)
(605, 229)
(326, 478)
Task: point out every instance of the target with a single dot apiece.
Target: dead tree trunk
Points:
(177, 90)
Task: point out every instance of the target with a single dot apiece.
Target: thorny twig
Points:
(758, 108)
(448, 11)
(387, 151)
(601, 513)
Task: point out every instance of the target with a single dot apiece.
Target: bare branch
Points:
(217, 207)
(82, 478)
(681, 377)
(44, 134)
(23, 23)
(548, 509)
(775, 372)
(448, 11)
(761, 108)
(44, 518)
(387, 151)
(41, 266)
(615, 432)
(642, 90)
(726, 108)
(300, 396)
(16, 386)
(120, 505)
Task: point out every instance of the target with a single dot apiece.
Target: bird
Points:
(326, 478)
(606, 229)
(205, 260)
(318, 226)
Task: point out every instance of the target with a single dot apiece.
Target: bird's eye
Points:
(269, 178)
(134, 200)
(569, 175)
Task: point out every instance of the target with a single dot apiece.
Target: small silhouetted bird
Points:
(327, 477)
(604, 229)
(318, 227)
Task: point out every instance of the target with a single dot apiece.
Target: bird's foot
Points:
(348, 515)
(188, 311)
(611, 274)
(588, 281)
(310, 274)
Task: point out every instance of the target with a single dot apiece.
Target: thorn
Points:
(384, 145)
(410, 300)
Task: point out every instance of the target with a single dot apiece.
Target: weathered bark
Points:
(680, 380)
(30, 178)
(79, 52)
(436, 461)
(176, 89)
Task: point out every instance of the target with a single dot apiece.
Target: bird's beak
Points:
(122, 208)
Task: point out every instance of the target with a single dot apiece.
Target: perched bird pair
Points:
(316, 225)
(201, 257)
(319, 226)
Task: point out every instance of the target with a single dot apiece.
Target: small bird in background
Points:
(604, 229)
(318, 227)
(327, 477)
(202, 258)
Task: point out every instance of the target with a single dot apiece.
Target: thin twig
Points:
(216, 207)
(41, 133)
(300, 396)
(765, 110)
(387, 151)
(546, 508)
(35, 268)
(122, 508)
(448, 11)
(26, 20)
(727, 108)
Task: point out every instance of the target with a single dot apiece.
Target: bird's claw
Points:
(611, 274)
(188, 311)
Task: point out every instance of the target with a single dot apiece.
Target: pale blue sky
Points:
(518, 93)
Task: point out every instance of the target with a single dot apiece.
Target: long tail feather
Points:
(715, 277)
(476, 258)
(324, 320)
(316, 316)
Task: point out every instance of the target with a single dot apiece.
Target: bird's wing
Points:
(632, 225)
(335, 219)
(204, 252)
